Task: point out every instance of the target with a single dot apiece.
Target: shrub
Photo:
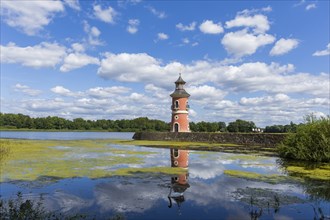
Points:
(310, 142)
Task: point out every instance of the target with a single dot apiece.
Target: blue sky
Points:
(262, 61)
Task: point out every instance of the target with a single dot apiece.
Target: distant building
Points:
(180, 107)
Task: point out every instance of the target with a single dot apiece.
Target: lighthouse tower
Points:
(180, 107)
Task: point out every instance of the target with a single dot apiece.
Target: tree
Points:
(241, 126)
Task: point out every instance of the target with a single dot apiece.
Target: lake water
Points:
(107, 180)
(65, 135)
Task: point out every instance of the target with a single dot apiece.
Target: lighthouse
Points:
(180, 107)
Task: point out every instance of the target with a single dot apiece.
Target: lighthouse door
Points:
(176, 127)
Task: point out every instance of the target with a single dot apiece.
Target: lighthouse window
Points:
(176, 104)
(176, 117)
(176, 153)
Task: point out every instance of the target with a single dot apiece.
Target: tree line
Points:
(20, 121)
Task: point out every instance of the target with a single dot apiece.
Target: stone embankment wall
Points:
(263, 139)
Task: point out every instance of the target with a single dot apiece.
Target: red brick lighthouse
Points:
(179, 158)
(180, 107)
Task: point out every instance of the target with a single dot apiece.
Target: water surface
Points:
(67, 135)
(108, 180)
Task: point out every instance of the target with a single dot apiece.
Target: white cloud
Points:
(124, 66)
(77, 60)
(133, 25)
(77, 47)
(268, 100)
(259, 23)
(323, 52)
(189, 27)
(61, 91)
(107, 92)
(29, 16)
(162, 36)
(205, 95)
(310, 6)
(241, 43)
(247, 77)
(283, 46)
(185, 40)
(159, 14)
(74, 4)
(107, 15)
(208, 27)
(93, 34)
(41, 55)
(27, 90)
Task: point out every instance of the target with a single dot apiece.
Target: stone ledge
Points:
(262, 139)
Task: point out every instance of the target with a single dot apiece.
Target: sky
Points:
(260, 61)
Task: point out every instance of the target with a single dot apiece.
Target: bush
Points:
(310, 142)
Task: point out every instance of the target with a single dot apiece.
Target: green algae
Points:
(30, 159)
(246, 157)
(270, 178)
(171, 143)
(155, 170)
(321, 173)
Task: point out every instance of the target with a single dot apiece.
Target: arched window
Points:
(176, 153)
(176, 105)
(176, 127)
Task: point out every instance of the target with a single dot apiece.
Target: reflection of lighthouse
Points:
(179, 158)
(179, 183)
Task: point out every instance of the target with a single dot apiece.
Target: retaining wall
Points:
(263, 139)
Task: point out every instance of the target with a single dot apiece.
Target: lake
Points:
(107, 179)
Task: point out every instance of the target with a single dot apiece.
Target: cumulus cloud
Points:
(259, 23)
(74, 4)
(206, 95)
(242, 43)
(323, 52)
(190, 27)
(247, 77)
(77, 47)
(41, 55)
(77, 60)
(61, 91)
(310, 6)
(30, 16)
(208, 27)
(132, 27)
(107, 15)
(124, 66)
(283, 46)
(27, 90)
(159, 14)
(107, 92)
(93, 34)
(162, 36)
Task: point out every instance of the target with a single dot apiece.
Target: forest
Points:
(19, 121)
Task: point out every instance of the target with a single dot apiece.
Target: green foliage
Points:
(241, 126)
(207, 126)
(19, 209)
(310, 142)
(292, 127)
(19, 121)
